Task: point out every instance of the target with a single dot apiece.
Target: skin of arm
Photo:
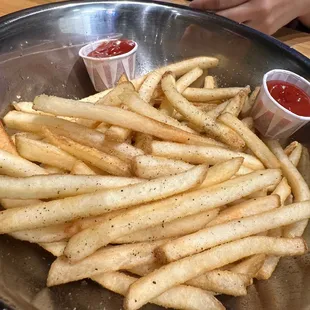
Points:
(267, 16)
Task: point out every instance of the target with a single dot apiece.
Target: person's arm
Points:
(267, 16)
(305, 20)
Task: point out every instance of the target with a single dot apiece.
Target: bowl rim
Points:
(244, 29)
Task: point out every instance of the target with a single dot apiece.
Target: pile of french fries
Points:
(156, 190)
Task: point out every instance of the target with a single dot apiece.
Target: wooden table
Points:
(298, 40)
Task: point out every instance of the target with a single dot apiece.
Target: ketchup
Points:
(290, 96)
(112, 48)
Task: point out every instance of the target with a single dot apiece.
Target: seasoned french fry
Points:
(244, 170)
(16, 166)
(176, 228)
(304, 165)
(71, 208)
(209, 82)
(283, 190)
(6, 142)
(119, 117)
(80, 168)
(151, 167)
(143, 141)
(118, 134)
(149, 85)
(299, 187)
(16, 203)
(233, 230)
(58, 186)
(201, 154)
(248, 122)
(35, 123)
(247, 208)
(294, 151)
(235, 104)
(222, 282)
(196, 116)
(53, 170)
(249, 266)
(221, 172)
(246, 110)
(43, 152)
(53, 233)
(188, 78)
(179, 297)
(104, 161)
(218, 110)
(55, 248)
(256, 145)
(122, 79)
(168, 276)
(112, 99)
(184, 66)
(136, 104)
(107, 259)
(103, 127)
(168, 210)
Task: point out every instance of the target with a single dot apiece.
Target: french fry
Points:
(168, 276)
(15, 166)
(246, 110)
(247, 208)
(283, 190)
(249, 266)
(248, 122)
(187, 79)
(179, 297)
(112, 99)
(58, 186)
(119, 117)
(104, 161)
(223, 171)
(34, 123)
(43, 152)
(118, 134)
(149, 85)
(143, 141)
(304, 165)
(55, 248)
(27, 107)
(216, 112)
(53, 233)
(184, 66)
(71, 208)
(167, 210)
(176, 228)
(256, 145)
(103, 127)
(16, 203)
(209, 82)
(122, 79)
(205, 107)
(151, 167)
(294, 151)
(107, 259)
(219, 281)
(233, 230)
(205, 94)
(222, 282)
(80, 168)
(6, 142)
(244, 170)
(202, 154)
(235, 104)
(136, 104)
(196, 116)
(299, 187)
(53, 170)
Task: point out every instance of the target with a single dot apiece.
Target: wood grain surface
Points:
(298, 40)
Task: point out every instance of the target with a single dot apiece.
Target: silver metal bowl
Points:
(39, 54)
